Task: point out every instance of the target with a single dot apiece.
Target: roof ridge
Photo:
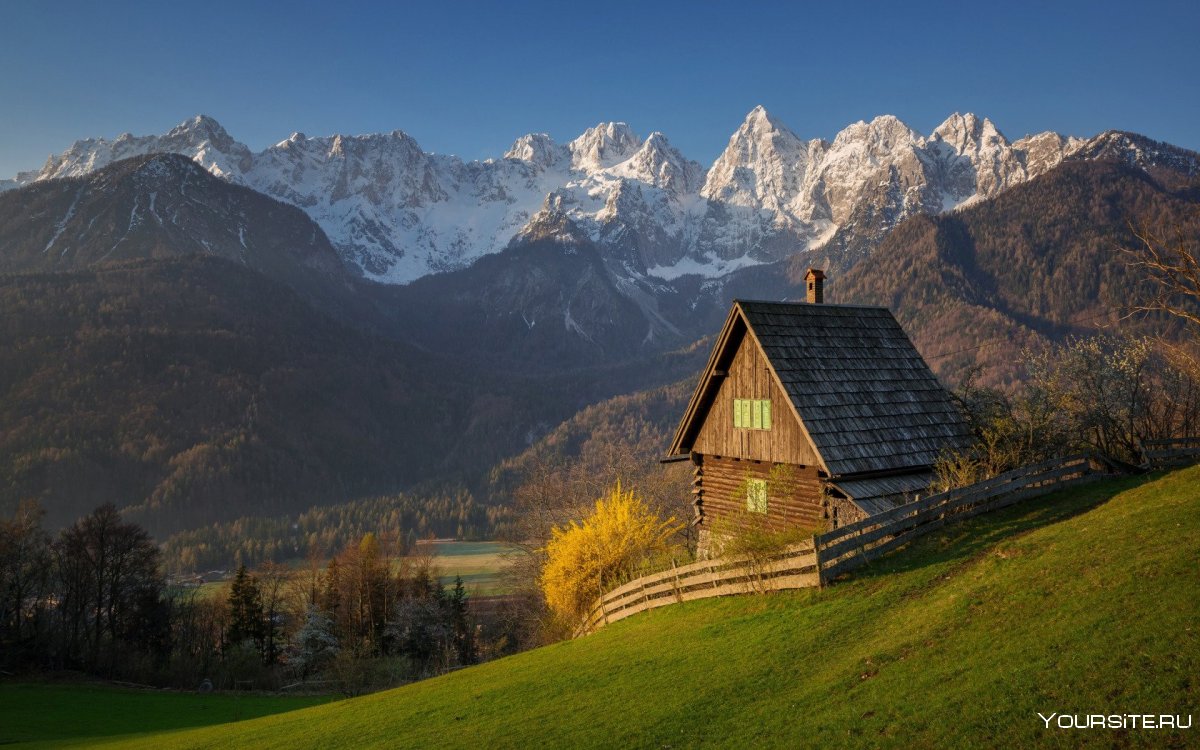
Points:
(808, 305)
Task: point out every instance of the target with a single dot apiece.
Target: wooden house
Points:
(812, 414)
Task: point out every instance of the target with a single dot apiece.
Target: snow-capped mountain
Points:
(397, 213)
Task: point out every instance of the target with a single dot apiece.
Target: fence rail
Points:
(816, 562)
(856, 544)
(1157, 454)
(791, 568)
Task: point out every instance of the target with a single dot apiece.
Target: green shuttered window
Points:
(756, 495)
(752, 413)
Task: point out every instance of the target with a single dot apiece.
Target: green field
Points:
(1087, 601)
(79, 714)
(479, 564)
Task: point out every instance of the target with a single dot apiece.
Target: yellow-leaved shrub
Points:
(583, 558)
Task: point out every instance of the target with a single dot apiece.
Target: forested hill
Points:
(1041, 261)
(194, 389)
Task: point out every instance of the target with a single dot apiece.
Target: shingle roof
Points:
(884, 493)
(866, 397)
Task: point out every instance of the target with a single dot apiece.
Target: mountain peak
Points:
(603, 146)
(538, 149)
(883, 134)
(959, 130)
(204, 121)
(203, 126)
(659, 163)
(760, 122)
(892, 124)
(759, 117)
(764, 163)
(657, 141)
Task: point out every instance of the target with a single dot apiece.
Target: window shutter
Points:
(737, 412)
(766, 415)
(756, 414)
(746, 413)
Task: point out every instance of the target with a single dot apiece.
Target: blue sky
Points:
(468, 78)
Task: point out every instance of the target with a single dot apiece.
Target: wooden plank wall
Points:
(749, 376)
(794, 495)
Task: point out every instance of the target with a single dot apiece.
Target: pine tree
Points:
(462, 623)
(245, 609)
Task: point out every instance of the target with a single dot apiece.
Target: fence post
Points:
(675, 570)
(816, 540)
(819, 550)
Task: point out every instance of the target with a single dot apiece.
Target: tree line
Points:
(254, 540)
(95, 599)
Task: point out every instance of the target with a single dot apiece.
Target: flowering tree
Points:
(583, 558)
(314, 645)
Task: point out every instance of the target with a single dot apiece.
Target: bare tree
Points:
(110, 584)
(1170, 261)
(272, 586)
(24, 577)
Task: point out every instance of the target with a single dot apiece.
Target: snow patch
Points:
(62, 225)
(706, 266)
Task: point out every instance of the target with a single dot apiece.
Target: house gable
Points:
(749, 376)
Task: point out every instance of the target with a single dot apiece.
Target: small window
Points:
(756, 495)
(752, 413)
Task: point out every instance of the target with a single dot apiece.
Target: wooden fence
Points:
(1158, 454)
(818, 561)
(855, 544)
(793, 567)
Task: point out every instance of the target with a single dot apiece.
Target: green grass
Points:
(479, 563)
(1087, 601)
(65, 714)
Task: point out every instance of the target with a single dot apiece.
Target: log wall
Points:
(794, 493)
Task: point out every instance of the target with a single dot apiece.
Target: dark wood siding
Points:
(794, 495)
(749, 376)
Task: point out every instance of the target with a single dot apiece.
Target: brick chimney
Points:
(815, 281)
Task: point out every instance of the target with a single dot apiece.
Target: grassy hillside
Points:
(1083, 602)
